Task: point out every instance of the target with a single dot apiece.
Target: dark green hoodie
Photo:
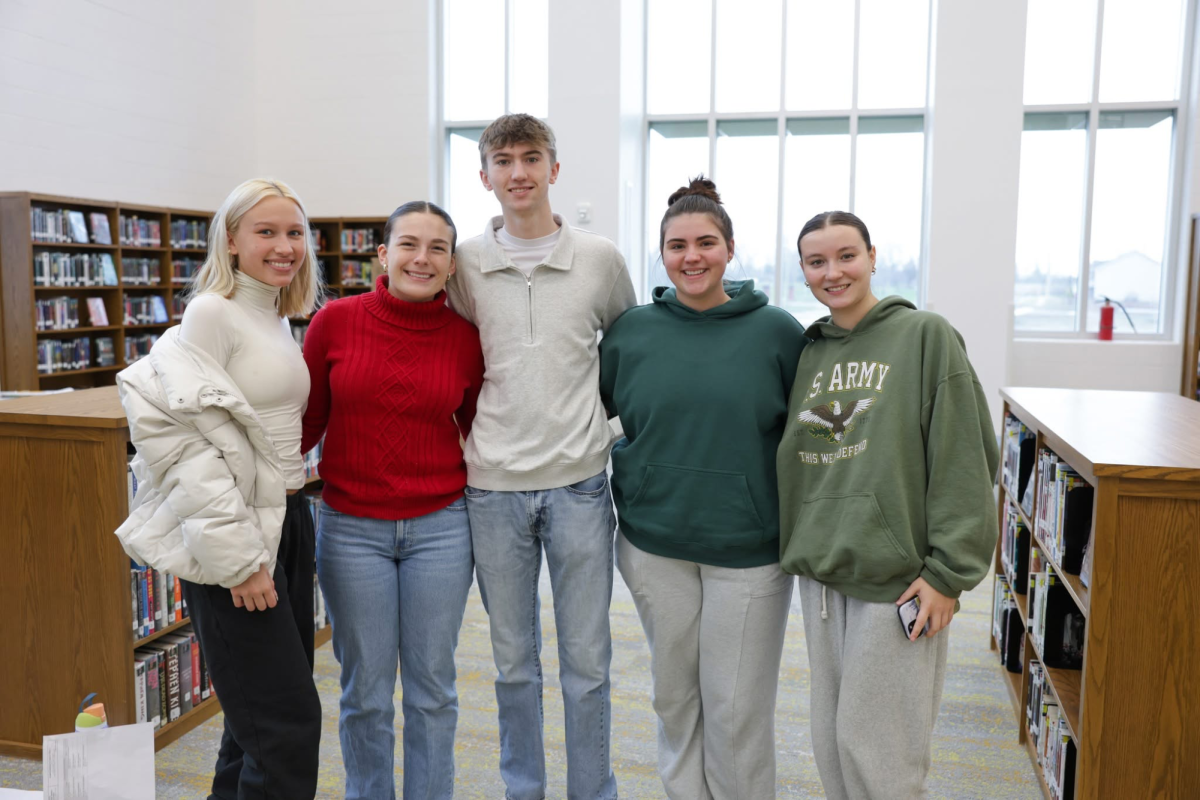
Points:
(887, 463)
(702, 396)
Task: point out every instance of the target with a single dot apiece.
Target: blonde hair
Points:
(217, 274)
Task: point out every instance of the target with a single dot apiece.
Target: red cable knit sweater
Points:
(389, 380)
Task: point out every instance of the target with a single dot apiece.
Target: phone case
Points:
(908, 616)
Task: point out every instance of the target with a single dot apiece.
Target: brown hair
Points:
(513, 129)
(827, 219)
(420, 207)
(698, 197)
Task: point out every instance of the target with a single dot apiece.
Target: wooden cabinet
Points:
(1133, 711)
(66, 628)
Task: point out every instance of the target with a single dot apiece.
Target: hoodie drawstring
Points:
(824, 609)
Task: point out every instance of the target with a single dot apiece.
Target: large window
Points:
(794, 107)
(1099, 164)
(494, 61)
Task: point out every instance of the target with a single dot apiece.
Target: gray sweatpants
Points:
(875, 696)
(716, 639)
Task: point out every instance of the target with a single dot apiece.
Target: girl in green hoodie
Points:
(700, 379)
(885, 485)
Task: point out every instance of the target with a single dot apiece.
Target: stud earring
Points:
(872, 270)
(806, 283)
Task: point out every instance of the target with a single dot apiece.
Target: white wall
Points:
(585, 110)
(343, 101)
(137, 100)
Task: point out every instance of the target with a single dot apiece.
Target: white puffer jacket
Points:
(211, 495)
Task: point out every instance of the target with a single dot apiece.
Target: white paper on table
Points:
(105, 764)
(19, 794)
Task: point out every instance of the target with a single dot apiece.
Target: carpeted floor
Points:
(975, 750)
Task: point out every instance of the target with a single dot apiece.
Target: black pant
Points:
(261, 663)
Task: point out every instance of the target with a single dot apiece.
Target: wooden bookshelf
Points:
(1190, 386)
(18, 294)
(18, 362)
(67, 630)
(1133, 710)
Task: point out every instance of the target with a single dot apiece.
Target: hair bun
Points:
(699, 185)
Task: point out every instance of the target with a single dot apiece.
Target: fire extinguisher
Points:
(1106, 321)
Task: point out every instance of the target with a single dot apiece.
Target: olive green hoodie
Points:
(887, 463)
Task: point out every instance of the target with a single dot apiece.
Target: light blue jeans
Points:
(396, 587)
(574, 524)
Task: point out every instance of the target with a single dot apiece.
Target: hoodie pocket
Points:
(845, 537)
(707, 507)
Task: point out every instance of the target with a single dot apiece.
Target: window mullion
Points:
(1089, 184)
(782, 132)
(854, 109)
(712, 96)
(508, 54)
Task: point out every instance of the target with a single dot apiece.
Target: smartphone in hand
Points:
(908, 616)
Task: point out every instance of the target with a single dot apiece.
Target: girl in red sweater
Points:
(395, 376)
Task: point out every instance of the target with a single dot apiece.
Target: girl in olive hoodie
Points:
(885, 475)
(700, 379)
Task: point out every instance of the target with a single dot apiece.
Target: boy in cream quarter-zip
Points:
(539, 291)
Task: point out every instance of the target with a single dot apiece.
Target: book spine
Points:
(151, 604)
(194, 644)
(173, 676)
(139, 688)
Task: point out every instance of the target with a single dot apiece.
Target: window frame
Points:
(447, 128)
(1177, 180)
(782, 116)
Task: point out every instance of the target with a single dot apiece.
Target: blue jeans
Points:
(396, 586)
(575, 525)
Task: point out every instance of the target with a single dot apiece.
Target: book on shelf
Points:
(1018, 458)
(189, 234)
(175, 677)
(106, 352)
(138, 346)
(100, 231)
(73, 269)
(1064, 519)
(358, 240)
(79, 231)
(360, 273)
(140, 271)
(158, 309)
(1058, 626)
(1007, 627)
(146, 683)
(57, 313)
(136, 232)
(1014, 550)
(183, 649)
(97, 312)
(108, 269)
(183, 270)
(178, 304)
(64, 355)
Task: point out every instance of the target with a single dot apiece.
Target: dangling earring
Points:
(806, 283)
(872, 270)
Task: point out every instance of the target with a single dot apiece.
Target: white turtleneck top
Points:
(246, 336)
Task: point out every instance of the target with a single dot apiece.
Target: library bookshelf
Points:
(350, 244)
(67, 631)
(1133, 710)
(19, 294)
